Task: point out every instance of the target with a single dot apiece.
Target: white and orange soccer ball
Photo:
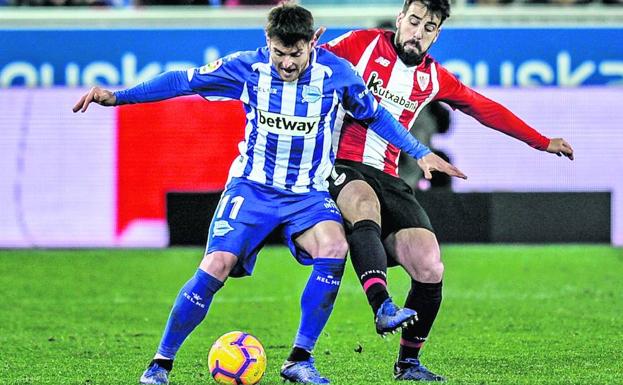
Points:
(237, 358)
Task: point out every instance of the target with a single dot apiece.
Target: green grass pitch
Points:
(511, 315)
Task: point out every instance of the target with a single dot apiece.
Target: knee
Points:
(335, 248)
(423, 262)
(358, 201)
(218, 264)
(431, 273)
(368, 206)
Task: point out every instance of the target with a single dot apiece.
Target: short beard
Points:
(410, 59)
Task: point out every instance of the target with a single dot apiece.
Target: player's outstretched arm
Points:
(560, 147)
(433, 162)
(95, 95)
(164, 86)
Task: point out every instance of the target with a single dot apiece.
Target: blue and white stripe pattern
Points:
(288, 134)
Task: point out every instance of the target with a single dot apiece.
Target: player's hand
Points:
(560, 147)
(433, 162)
(317, 35)
(95, 95)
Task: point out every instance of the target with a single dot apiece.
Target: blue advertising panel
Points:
(564, 57)
(481, 57)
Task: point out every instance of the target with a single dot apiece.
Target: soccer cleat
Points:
(412, 370)
(390, 318)
(302, 372)
(155, 375)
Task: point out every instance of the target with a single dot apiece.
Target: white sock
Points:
(159, 356)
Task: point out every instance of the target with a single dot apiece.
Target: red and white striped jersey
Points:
(404, 91)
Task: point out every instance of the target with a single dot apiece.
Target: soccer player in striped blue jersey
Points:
(291, 91)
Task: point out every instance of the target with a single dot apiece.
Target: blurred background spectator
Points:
(129, 3)
(82, 3)
(177, 2)
(251, 2)
(126, 3)
(433, 119)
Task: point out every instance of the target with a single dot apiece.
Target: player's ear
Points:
(437, 35)
(399, 18)
(267, 39)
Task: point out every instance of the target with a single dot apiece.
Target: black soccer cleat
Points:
(411, 369)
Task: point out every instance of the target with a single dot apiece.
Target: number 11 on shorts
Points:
(236, 203)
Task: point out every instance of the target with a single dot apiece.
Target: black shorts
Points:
(399, 208)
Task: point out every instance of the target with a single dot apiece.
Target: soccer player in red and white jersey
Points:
(365, 183)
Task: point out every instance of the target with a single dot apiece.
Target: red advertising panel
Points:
(181, 144)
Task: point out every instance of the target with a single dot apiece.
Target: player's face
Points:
(291, 61)
(416, 30)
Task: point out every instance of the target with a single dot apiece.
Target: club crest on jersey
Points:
(422, 80)
(375, 85)
(311, 94)
(210, 67)
(287, 124)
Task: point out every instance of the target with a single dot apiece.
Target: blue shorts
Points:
(249, 211)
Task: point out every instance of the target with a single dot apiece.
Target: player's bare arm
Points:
(97, 95)
(432, 162)
(560, 147)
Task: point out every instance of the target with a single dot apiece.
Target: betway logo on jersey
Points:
(375, 85)
(287, 124)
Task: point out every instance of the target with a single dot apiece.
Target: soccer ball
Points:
(237, 358)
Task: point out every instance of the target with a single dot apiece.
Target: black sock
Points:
(425, 298)
(408, 352)
(370, 261)
(298, 354)
(164, 363)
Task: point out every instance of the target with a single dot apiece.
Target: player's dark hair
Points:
(440, 8)
(290, 23)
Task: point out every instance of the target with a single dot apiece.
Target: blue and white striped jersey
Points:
(288, 134)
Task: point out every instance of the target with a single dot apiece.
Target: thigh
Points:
(400, 210)
(417, 250)
(313, 220)
(241, 223)
(341, 175)
(325, 239)
(355, 194)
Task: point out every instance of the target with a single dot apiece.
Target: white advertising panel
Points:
(57, 171)
(589, 118)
